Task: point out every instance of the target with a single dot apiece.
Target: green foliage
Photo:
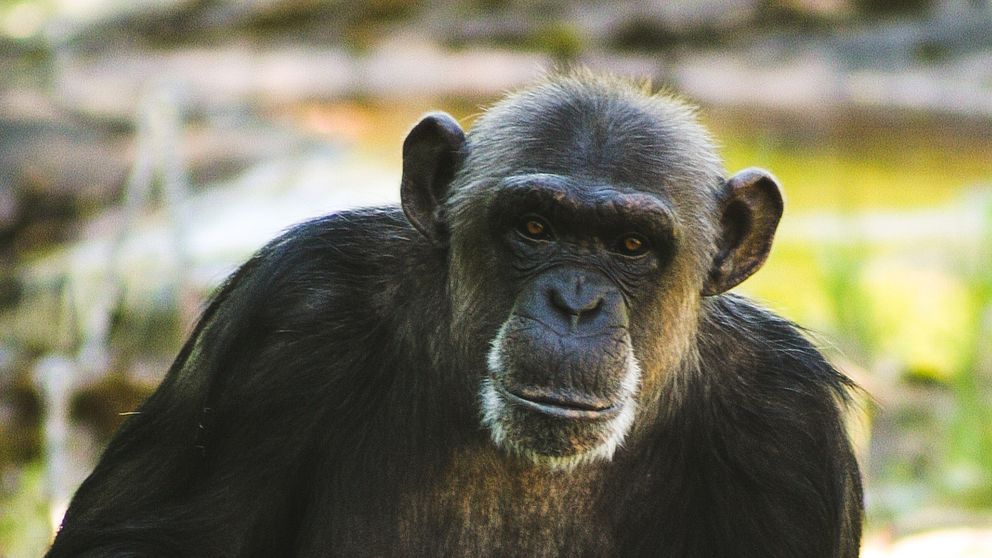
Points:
(893, 7)
(843, 269)
(858, 161)
(24, 515)
(20, 431)
(930, 51)
(969, 475)
(563, 41)
(644, 35)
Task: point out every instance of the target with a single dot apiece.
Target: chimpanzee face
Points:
(583, 225)
(562, 372)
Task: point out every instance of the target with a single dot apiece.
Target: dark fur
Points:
(327, 405)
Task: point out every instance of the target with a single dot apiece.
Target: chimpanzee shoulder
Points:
(332, 287)
(761, 413)
(766, 349)
(287, 332)
(352, 245)
(344, 268)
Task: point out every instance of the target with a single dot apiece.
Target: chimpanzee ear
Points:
(750, 208)
(431, 155)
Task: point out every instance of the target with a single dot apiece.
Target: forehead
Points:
(601, 132)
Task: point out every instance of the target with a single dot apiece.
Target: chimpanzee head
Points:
(583, 220)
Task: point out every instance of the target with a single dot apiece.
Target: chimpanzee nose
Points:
(572, 301)
(577, 303)
(575, 297)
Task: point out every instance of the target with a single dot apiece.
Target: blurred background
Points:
(149, 146)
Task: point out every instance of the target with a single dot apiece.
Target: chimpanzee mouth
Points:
(571, 406)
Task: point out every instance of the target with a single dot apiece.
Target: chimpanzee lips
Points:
(559, 399)
(564, 405)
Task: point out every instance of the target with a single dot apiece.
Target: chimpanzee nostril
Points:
(577, 304)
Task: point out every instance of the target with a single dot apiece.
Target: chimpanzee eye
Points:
(632, 245)
(535, 228)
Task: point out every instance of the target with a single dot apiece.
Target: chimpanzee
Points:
(532, 356)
